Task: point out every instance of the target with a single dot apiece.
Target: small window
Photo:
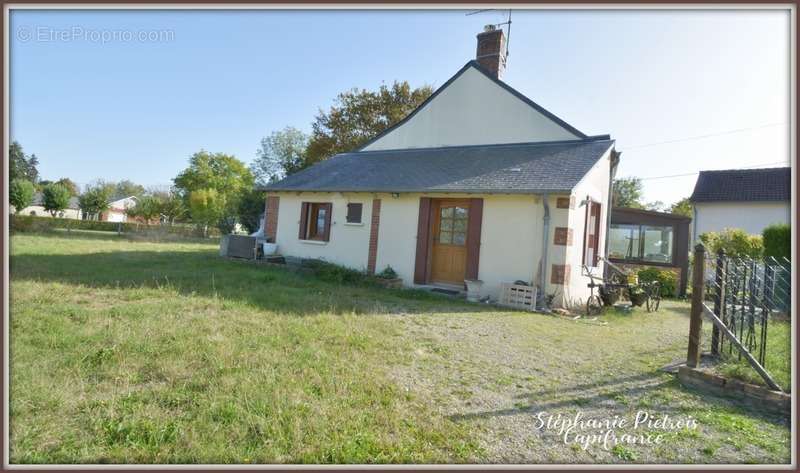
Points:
(354, 213)
(315, 221)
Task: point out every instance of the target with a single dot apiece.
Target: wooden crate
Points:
(518, 296)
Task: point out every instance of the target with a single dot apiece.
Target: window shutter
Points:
(303, 220)
(596, 243)
(326, 234)
(423, 243)
(474, 237)
(354, 213)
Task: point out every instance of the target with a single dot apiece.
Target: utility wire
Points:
(700, 137)
(698, 172)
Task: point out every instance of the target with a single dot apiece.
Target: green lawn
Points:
(131, 351)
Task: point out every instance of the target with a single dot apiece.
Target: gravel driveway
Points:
(506, 374)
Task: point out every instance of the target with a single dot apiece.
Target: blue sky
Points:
(221, 80)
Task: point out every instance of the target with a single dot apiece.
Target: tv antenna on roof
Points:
(507, 23)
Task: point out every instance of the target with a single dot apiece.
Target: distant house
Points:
(478, 183)
(36, 208)
(117, 210)
(750, 199)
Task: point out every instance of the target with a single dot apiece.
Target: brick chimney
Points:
(491, 53)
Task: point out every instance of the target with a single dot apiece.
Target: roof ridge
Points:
(591, 139)
(746, 170)
(474, 64)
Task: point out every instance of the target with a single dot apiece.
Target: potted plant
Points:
(637, 295)
(609, 296)
(388, 278)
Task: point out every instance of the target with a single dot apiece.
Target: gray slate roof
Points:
(743, 185)
(38, 199)
(500, 168)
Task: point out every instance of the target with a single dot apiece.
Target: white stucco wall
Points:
(595, 184)
(752, 217)
(41, 212)
(511, 235)
(472, 110)
(348, 243)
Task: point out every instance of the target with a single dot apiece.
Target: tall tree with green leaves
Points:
(627, 192)
(126, 188)
(280, 154)
(229, 178)
(55, 198)
(251, 209)
(71, 186)
(20, 194)
(208, 207)
(682, 207)
(95, 200)
(358, 116)
(21, 165)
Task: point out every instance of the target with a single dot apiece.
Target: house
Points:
(36, 208)
(478, 182)
(639, 239)
(117, 210)
(750, 199)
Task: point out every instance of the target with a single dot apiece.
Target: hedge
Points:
(777, 241)
(29, 223)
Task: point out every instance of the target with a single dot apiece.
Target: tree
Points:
(656, 206)
(20, 194)
(71, 186)
(627, 192)
(228, 177)
(126, 188)
(148, 208)
(777, 240)
(208, 207)
(251, 210)
(358, 116)
(20, 165)
(682, 207)
(281, 153)
(94, 200)
(56, 198)
(173, 207)
(735, 242)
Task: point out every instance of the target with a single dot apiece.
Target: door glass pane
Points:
(447, 212)
(461, 212)
(445, 237)
(321, 221)
(460, 225)
(459, 238)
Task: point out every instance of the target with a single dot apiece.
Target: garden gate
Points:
(740, 296)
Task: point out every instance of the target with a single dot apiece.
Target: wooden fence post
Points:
(719, 300)
(696, 317)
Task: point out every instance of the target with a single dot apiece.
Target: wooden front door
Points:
(449, 232)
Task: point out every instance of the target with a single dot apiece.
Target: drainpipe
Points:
(540, 299)
(614, 163)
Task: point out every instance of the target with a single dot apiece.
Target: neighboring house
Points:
(639, 239)
(117, 210)
(478, 182)
(750, 199)
(36, 208)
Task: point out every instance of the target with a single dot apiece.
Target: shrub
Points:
(388, 273)
(777, 241)
(20, 194)
(668, 280)
(734, 241)
(335, 273)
